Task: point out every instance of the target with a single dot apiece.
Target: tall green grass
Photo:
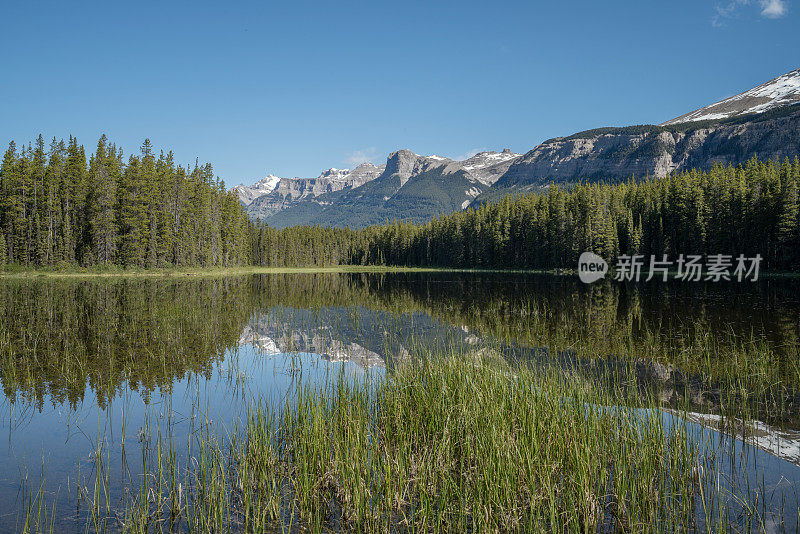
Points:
(444, 444)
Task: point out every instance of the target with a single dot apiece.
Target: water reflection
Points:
(60, 336)
(89, 362)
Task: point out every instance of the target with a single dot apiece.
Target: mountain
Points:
(410, 187)
(640, 151)
(262, 187)
(781, 91)
(762, 122)
(488, 167)
(289, 191)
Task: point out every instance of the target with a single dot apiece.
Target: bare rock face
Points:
(404, 164)
(289, 191)
(484, 167)
(262, 187)
(366, 172)
(622, 153)
(488, 167)
(597, 156)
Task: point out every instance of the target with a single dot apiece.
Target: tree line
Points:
(746, 209)
(58, 208)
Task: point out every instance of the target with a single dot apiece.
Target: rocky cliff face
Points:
(289, 191)
(621, 153)
(488, 167)
(411, 187)
(247, 194)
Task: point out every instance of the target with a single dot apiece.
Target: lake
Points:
(101, 375)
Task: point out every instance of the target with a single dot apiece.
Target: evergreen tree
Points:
(787, 227)
(3, 258)
(104, 175)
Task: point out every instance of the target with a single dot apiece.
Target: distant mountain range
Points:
(408, 186)
(762, 122)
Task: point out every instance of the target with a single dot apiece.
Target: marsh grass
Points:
(442, 444)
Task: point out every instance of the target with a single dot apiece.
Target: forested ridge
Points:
(748, 209)
(58, 208)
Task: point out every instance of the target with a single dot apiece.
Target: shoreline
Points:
(238, 271)
(114, 272)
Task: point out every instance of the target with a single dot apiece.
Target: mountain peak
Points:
(487, 167)
(335, 174)
(262, 187)
(781, 91)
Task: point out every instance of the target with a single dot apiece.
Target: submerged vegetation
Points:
(446, 443)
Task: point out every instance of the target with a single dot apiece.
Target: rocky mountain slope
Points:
(640, 151)
(289, 191)
(781, 91)
(248, 193)
(410, 187)
(763, 122)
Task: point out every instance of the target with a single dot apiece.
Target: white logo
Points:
(591, 267)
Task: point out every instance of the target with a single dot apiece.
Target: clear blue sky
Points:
(295, 87)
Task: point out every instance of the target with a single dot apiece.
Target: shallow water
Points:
(92, 362)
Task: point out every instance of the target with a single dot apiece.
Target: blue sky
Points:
(292, 88)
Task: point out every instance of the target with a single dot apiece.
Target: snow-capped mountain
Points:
(762, 122)
(335, 174)
(782, 91)
(408, 186)
(289, 191)
(488, 167)
(247, 194)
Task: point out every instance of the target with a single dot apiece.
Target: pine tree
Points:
(787, 226)
(102, 221)
(132, 216)
(74, 202)
(7, 189)
(37, 206)
(3, 258)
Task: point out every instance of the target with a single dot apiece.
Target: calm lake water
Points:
(86, 365)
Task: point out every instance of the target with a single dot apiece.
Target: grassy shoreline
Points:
(112, 272)
(120, 272)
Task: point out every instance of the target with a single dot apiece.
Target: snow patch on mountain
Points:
(487, 167)
(335, 174)
(781, 91)
(262, 187)
(472, 192)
